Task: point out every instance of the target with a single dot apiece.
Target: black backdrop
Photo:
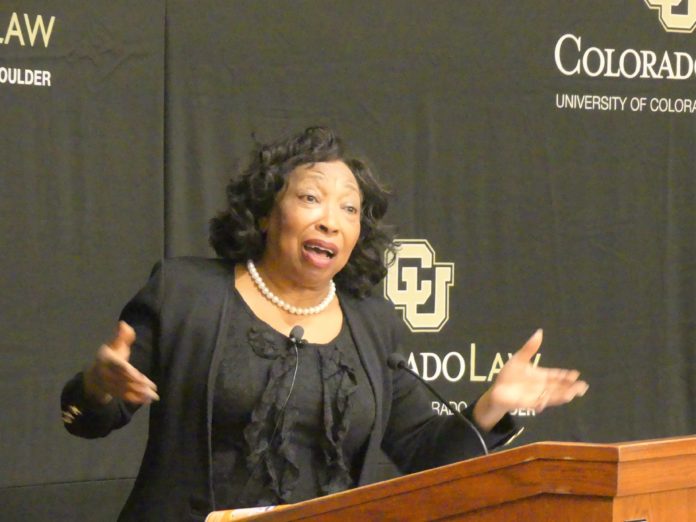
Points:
(537, 211)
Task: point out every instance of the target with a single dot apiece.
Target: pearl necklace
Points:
(295, 310)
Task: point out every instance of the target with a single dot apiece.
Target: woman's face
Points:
(315, 223)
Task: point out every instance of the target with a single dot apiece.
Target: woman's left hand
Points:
(521, 385)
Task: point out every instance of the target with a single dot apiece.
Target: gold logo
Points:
(418, 286)
(676, 16)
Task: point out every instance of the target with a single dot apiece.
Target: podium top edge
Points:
(612, 452)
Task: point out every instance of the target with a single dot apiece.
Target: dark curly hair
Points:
(235, 234)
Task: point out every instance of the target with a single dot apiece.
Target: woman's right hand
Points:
(111, 375)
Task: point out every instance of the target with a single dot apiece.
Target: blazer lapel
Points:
(366, 339)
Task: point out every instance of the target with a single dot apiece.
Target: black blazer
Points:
(181, 317)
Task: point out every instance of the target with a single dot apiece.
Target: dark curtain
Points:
(575, 220)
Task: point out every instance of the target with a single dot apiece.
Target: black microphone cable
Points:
(396, 361)
(296, 341)
(295, 338)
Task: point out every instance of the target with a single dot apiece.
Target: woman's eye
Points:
(351, 209)
(309, 198)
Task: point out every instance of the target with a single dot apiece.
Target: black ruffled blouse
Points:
(286, 426)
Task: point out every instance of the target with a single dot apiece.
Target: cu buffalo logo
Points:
(418, 286)
(676, 16)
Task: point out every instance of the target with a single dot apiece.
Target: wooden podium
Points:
(652, 481)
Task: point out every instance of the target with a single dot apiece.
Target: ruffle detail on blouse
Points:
(272, 459)
(340, 384)
(272, 462)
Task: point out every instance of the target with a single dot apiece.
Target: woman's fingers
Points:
(531, 347)
(134, 392)
(139, 391)
(521, 384)
(117, 376)
(561, 387)
(117, 364)
(112, 375)
(568, 392)
(543, 387)
(123, 340)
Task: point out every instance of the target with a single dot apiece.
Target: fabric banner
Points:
(542, 157)
(543, 169)
(81, 149)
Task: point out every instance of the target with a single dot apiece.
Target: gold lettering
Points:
(535, 362)
(671, 21)
(407, 289)
(14, 29)
(39, 24)
(472, 366)
(496, 366)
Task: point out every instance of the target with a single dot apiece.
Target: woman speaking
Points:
(266, 369)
